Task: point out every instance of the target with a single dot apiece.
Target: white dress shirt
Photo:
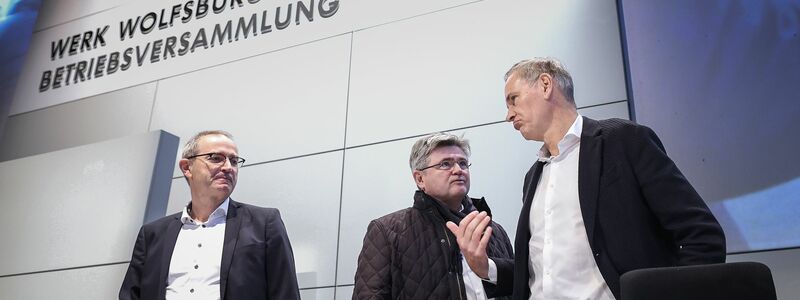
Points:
(473, 285)
(561, 262)
(195, 265)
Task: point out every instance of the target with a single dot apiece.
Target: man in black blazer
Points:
(216, 248)
(602, 199)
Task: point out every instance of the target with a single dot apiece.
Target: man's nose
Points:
(227, 165)
(510, 115)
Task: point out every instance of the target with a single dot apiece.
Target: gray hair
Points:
(530, 69)
(190, 148)
(422, 149)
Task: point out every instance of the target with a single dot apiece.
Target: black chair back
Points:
(729, 281)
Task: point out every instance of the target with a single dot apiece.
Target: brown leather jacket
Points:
(410, 254)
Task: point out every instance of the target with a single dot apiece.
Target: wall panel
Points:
(93, 119)
(317, 294)
(95, 283)
(444, 70)
(278, 105)
(344, 292)
(81, 206)
(57, 12)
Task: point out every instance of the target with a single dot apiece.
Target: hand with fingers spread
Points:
(472, 235)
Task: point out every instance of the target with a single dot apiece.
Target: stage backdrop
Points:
(324, 97)
(718, 81)
(723, 94)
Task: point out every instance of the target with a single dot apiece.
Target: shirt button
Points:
(191, 291)
(196, 266)
(199, 245)
(204, 225)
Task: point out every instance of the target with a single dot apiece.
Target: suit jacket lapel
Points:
(590, 163)
(232, 224)
(521, 257)
(170, 238)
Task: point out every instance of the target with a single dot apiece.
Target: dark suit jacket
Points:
(257, 260)
(639, 211)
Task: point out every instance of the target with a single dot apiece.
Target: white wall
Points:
(68, 215)
(326, 114)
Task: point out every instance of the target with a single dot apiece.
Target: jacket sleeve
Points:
(373, 275)
(132, 286)
(678, 207)
(505, 279)
(504, 263)
(281, 276)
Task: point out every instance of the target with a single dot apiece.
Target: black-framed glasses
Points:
(448, 164)
(219, 159)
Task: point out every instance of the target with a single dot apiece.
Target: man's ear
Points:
(418, 180)
(184, 165)
(546, 82)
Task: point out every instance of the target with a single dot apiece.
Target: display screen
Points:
(719, 81)
(17, 21)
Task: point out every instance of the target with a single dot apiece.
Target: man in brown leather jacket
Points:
(410, 253)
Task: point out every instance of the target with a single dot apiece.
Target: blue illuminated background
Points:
(719, 81)
(17, 20)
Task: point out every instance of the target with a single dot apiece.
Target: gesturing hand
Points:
(472, 235)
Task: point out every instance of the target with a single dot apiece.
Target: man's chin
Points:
(460, 185)
(225, 188)
(531, 137)
(460, 191)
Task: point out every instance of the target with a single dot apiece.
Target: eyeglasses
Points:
(219, 159)
(448, 164)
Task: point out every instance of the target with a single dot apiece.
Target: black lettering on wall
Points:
(44, 83)
(308, 12)
(169, 47)
(187, 12)
(285, 23)
(218, 6)
(200, 40)
(332, 8)
(126, 59)
(219, 35)
(184, 43)
(113, 63)
(149, 17)
(128, 28)
(251, 26)
(155, 55)
(101, 64)
(141, 54)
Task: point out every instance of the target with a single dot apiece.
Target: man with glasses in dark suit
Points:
(216, 248)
